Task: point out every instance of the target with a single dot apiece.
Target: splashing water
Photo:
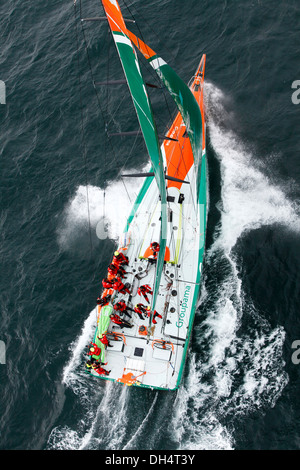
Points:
(249, 200)
(105, 211)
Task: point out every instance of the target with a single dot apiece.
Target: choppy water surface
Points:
(240, 387)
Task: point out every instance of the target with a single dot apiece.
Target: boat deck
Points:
(154, 355)
(140, 352)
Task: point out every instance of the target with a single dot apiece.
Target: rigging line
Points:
(136, 138)
(126, 190)
(98, 99)
(123, 166)
(150, 69)
(93, 81)
(105, 142)
(82, 131)
(180, 148)
(112, 119)
(168, 161)
(147, 225)
(171, 115)
(170, 53)
(183, 160)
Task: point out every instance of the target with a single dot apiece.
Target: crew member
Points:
(118, 321)
(94, 350)
(120, 259)
(155, 314)
(144, 290)
(123, 308)
(107, 283)
(116, 270)
(97, 368)
(155, 249)
(120, 287)
(110, 276)
(140, 309)
(104, 340)
(89, 364)
(103, 300)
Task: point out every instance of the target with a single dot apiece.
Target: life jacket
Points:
(103, 339)
(121, 306)
(155, 247)
(104, 300)
(120, 259)
(118, 285)
(94, 350)
(97, 368)
(116, 319)
(112, 268)
(107, 284)
(140, 308)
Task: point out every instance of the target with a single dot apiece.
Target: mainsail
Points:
(143, 109)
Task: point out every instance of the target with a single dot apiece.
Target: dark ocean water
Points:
(241, 387)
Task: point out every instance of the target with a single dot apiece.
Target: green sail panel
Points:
(102, 327)
(104, 319)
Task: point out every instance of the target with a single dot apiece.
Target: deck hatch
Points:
(138, 352)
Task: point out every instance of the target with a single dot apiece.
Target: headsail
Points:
(143, 109)
(182, 95)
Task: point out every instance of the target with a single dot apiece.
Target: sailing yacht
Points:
(146, 310)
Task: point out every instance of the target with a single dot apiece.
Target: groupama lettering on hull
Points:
(184, 306)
